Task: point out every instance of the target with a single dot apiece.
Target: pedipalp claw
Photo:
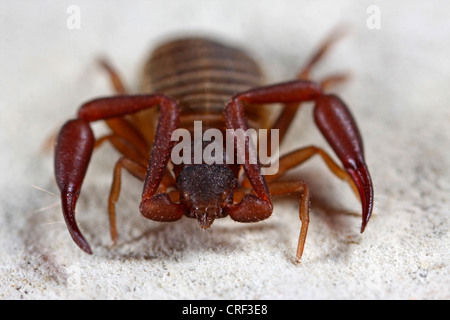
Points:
(68, 202)
(363, 182)
(339, 128)
(72, 155)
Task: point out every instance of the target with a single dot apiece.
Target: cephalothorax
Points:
(197, 79)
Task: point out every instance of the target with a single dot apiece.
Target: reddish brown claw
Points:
(68, 206)
(72, 154)
(361, 177)
(338, 126)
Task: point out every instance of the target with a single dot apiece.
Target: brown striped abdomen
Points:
(203, 75)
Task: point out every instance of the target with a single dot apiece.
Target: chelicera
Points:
(197, 79)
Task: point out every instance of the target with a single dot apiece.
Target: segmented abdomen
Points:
(203, 75)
